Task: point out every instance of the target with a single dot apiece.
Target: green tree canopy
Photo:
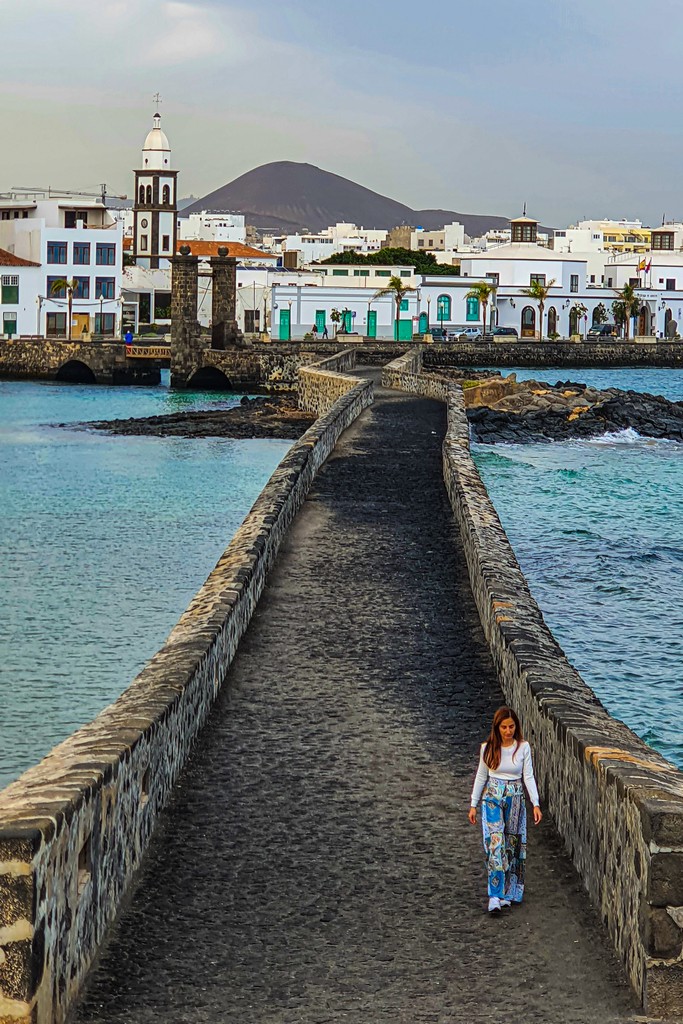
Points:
(423, 262)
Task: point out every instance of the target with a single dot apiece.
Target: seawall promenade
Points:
(316, 863)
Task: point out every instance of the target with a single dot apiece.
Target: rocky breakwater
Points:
(272, 417)
(502, 409)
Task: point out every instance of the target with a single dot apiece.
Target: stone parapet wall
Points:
(42, 358)
(617, 803)
(574, 355)
(322, 383)
(74, 828)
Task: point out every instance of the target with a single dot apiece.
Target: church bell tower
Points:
(155, 213)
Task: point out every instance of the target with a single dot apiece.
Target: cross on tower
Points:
(157, 99)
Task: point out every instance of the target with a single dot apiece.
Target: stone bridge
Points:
(307, 856)
(83, 362)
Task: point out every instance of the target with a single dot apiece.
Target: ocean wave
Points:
(629, 436)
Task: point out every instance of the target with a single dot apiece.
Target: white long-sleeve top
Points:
(515, 764)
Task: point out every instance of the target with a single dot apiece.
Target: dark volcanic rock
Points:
(588, 414)
(276, 417)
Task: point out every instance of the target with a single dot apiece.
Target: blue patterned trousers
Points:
(503, 820)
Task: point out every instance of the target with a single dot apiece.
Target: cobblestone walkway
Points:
(316, 864)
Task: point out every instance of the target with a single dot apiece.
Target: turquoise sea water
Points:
(104, 542)
(597, 527)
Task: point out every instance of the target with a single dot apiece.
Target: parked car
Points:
(469, 332)
(603, 331)
(498, 332)
(439, 333)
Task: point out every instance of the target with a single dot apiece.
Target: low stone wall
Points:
(42, 358)
(616, 802)
(73, 829)
(324, 382)
(607, 353)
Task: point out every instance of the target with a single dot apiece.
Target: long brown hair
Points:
(493, 745)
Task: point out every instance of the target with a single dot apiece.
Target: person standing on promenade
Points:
(504, 759)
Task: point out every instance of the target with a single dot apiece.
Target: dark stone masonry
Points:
(315, 864)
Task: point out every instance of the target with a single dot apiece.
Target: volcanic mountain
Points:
(287, 197)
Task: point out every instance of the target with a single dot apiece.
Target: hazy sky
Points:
(571, 105)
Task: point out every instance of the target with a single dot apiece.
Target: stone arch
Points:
(552, 321)
(166, 195)
(210, 378)
(149, 195)
(142, 194)
(75, 372)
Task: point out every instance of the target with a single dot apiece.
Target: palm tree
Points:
(60, 285)
(539, 293)
(399, 290)
(628, 301)
(482, 292)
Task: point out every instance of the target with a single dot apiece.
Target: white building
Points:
(155, 225)
(342, 237)
(212, 226)
(74, 239)
(20, 284)
(451, 237)
(295, 309)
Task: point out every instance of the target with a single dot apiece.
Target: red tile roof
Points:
(8, 259)
(202, 248)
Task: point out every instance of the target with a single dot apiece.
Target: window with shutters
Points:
(9, 294)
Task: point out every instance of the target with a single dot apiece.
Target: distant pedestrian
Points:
(504, 759)
(325, 334)
(314, 332)
(128, 337)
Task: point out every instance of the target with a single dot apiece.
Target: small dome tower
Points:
(155, 217)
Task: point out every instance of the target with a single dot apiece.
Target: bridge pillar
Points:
(224, 330)
(185, 328)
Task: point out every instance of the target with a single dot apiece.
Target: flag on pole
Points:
(642, 265)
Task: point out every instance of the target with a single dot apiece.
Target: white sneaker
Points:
(506, 903)
(494, 905)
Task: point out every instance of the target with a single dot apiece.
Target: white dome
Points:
(156, 152)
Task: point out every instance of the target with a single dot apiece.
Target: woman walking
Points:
(504, 760)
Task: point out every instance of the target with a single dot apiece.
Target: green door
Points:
(320, 320)
(372, 323)
(348, 321)
(405, 329)
(285, 325)
(424, 324)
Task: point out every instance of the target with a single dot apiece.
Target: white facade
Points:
(19, 288)
(308, 306)
(72, 241)
(210, 226)
(450, 237)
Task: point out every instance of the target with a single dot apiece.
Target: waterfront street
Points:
(316, 863)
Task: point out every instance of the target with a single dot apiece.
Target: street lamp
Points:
(39, 303)
(429, 302)
(289, 322)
